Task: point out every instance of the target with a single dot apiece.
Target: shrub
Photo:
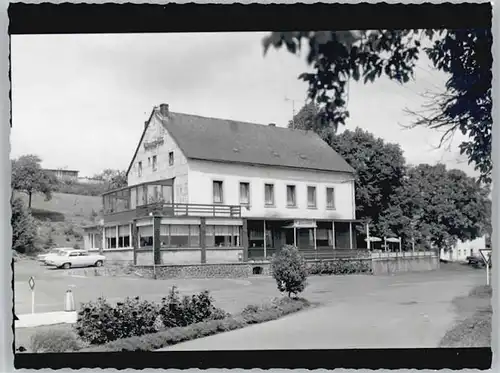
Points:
(151, 342)
(55, 340)
(99, 322)
(340, 267)
(289, 269)
(24, 228)
(188, 310)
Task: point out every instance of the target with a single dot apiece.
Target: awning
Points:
(374, 239)
(302, 224)
(393, 239)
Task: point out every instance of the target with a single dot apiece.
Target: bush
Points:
(55, 340)
(188, 310)
(24, 228)
(98, 322)
(155, 341)
(289, 269)
(340, 267)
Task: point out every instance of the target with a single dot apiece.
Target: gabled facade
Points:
(216, 191)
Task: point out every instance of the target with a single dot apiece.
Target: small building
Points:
(207, 190)
(463, 249)
(63, 175)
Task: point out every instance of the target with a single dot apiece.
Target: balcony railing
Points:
(179, 209)
(187, 209)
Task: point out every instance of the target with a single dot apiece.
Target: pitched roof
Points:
(226, 140)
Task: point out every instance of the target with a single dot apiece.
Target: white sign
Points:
(304, 224)
(31, 283)
(486, 254)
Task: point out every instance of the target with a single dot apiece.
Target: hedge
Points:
(250, 315)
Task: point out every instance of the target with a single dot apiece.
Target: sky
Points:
(80, 101)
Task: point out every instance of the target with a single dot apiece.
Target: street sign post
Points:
(31, 283)
(486, 254)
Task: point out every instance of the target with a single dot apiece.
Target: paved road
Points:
(357, 311)
(407, 311)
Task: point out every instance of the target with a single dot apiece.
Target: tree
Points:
(29, 177)
(114, 178)
(437, 207)
(338, 56)
(379, 168)
(288, 268)
(24, 228)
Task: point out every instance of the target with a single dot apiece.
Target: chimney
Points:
(164, 110)
(272, 124)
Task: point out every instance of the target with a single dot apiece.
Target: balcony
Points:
(187, 209)
(174, 210)
(138, 201)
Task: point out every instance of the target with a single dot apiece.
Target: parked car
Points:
(43, 257)
(75, 258)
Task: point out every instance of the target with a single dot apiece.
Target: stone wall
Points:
(234, 270)
(404, 264)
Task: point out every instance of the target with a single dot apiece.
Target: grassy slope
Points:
(473, 327)
(63, 215)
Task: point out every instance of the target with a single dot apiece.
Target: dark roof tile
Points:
(232, 141)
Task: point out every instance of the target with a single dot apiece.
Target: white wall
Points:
(202, 174)
(179, 170)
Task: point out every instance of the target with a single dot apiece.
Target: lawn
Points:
(23, 335)
(62, 218)
(473, 326)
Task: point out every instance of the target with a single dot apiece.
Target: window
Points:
(222, 236)
(269, 194)
(218, 196)
(330, 198)
(124, 236)
(139, 169)
(171, 158)
(245, 194)
(311, 196)
(155, 163)
(110, 237)
(145, 236)
(180, 235)
(291, 200)
(149, 161)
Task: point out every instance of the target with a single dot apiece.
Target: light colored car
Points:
(75, 258)
(43, 257)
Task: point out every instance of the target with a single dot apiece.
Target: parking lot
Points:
(231, 294)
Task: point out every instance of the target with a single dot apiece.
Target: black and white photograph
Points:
(205, 188)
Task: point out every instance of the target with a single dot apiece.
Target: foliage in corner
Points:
(336, 57)
(24, 227)
(289, 269)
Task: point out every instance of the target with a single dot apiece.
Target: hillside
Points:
(61, 220)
